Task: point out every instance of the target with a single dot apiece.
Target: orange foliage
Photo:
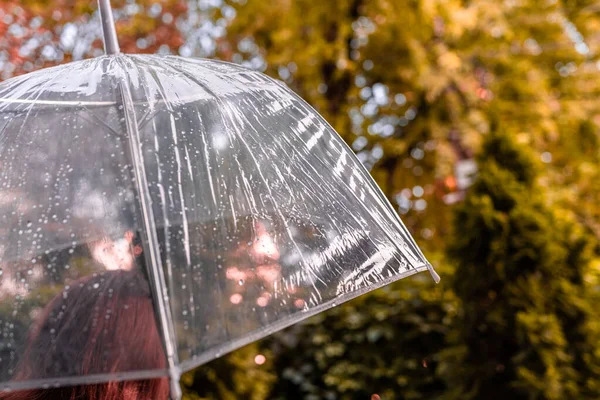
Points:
(39, 23)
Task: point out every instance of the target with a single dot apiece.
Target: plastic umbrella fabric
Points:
(210, 190)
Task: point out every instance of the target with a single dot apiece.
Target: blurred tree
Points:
(526, 328)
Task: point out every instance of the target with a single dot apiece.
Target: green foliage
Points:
(526, 330)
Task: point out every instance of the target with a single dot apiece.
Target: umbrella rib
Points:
(309, 177)
(144, 120)
(149, 231)
(376, 220)
(378, 194)
(100, 120)
(390, 209)
(170, 109)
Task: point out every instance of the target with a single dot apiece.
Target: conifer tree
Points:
(526, 329)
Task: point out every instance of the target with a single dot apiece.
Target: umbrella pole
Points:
(109, 33)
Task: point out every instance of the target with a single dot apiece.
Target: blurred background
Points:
(480, 122)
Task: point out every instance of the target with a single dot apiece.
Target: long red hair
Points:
(98, 325)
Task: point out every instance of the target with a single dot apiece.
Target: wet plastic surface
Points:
(202, 179)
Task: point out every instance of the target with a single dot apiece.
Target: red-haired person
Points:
(103, 324)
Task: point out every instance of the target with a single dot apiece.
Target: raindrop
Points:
(96, 285)
(241, 282)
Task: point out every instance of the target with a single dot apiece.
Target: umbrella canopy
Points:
(209, 191)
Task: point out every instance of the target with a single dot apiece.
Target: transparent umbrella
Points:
(205, 194)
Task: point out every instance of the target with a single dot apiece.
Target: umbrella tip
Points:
(174, 376)
(434, 275)
(109, 33)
